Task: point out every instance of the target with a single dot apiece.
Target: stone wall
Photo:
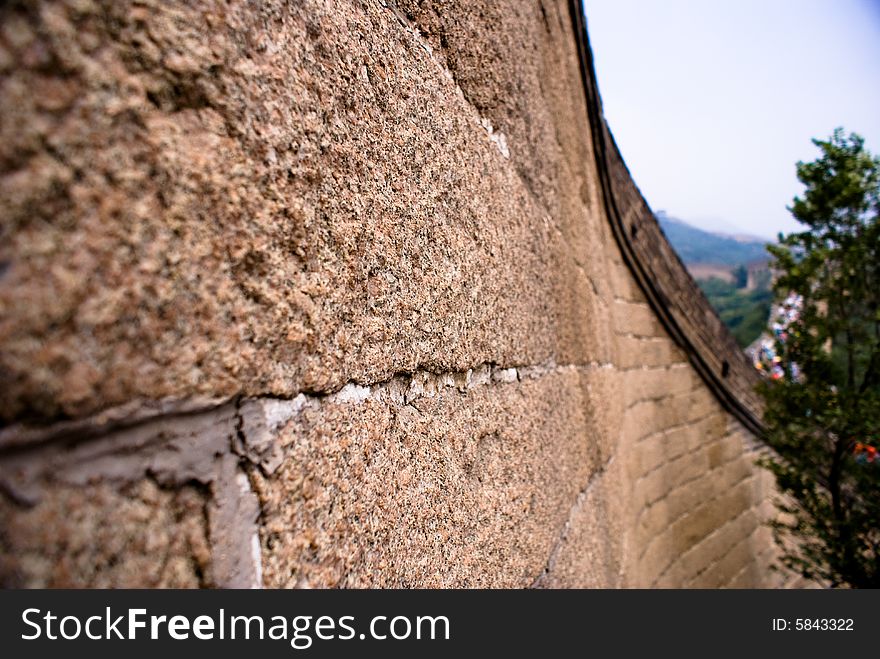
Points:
(334, 294)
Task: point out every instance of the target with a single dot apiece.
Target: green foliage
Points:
(744, 312)
(815, 420)
(740, 276)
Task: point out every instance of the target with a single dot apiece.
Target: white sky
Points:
(712, 102)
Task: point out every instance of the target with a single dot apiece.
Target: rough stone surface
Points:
(139, 536)
(448, 489)
(325, 294)
(69, 494)
(216, 199)
(589, 551)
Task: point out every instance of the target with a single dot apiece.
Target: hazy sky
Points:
(712, 103)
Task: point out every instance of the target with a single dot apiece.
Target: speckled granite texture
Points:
(222, 199)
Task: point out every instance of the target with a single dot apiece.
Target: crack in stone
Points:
(399, 388)
(215, 444)
(174, 450)
(550, 565)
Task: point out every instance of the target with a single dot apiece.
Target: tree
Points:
(823, 416)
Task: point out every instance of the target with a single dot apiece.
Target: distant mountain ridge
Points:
(704, 247)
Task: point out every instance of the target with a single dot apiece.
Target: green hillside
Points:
(743, 311)
(697, 246)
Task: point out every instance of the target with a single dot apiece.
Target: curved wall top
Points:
(671, 291)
